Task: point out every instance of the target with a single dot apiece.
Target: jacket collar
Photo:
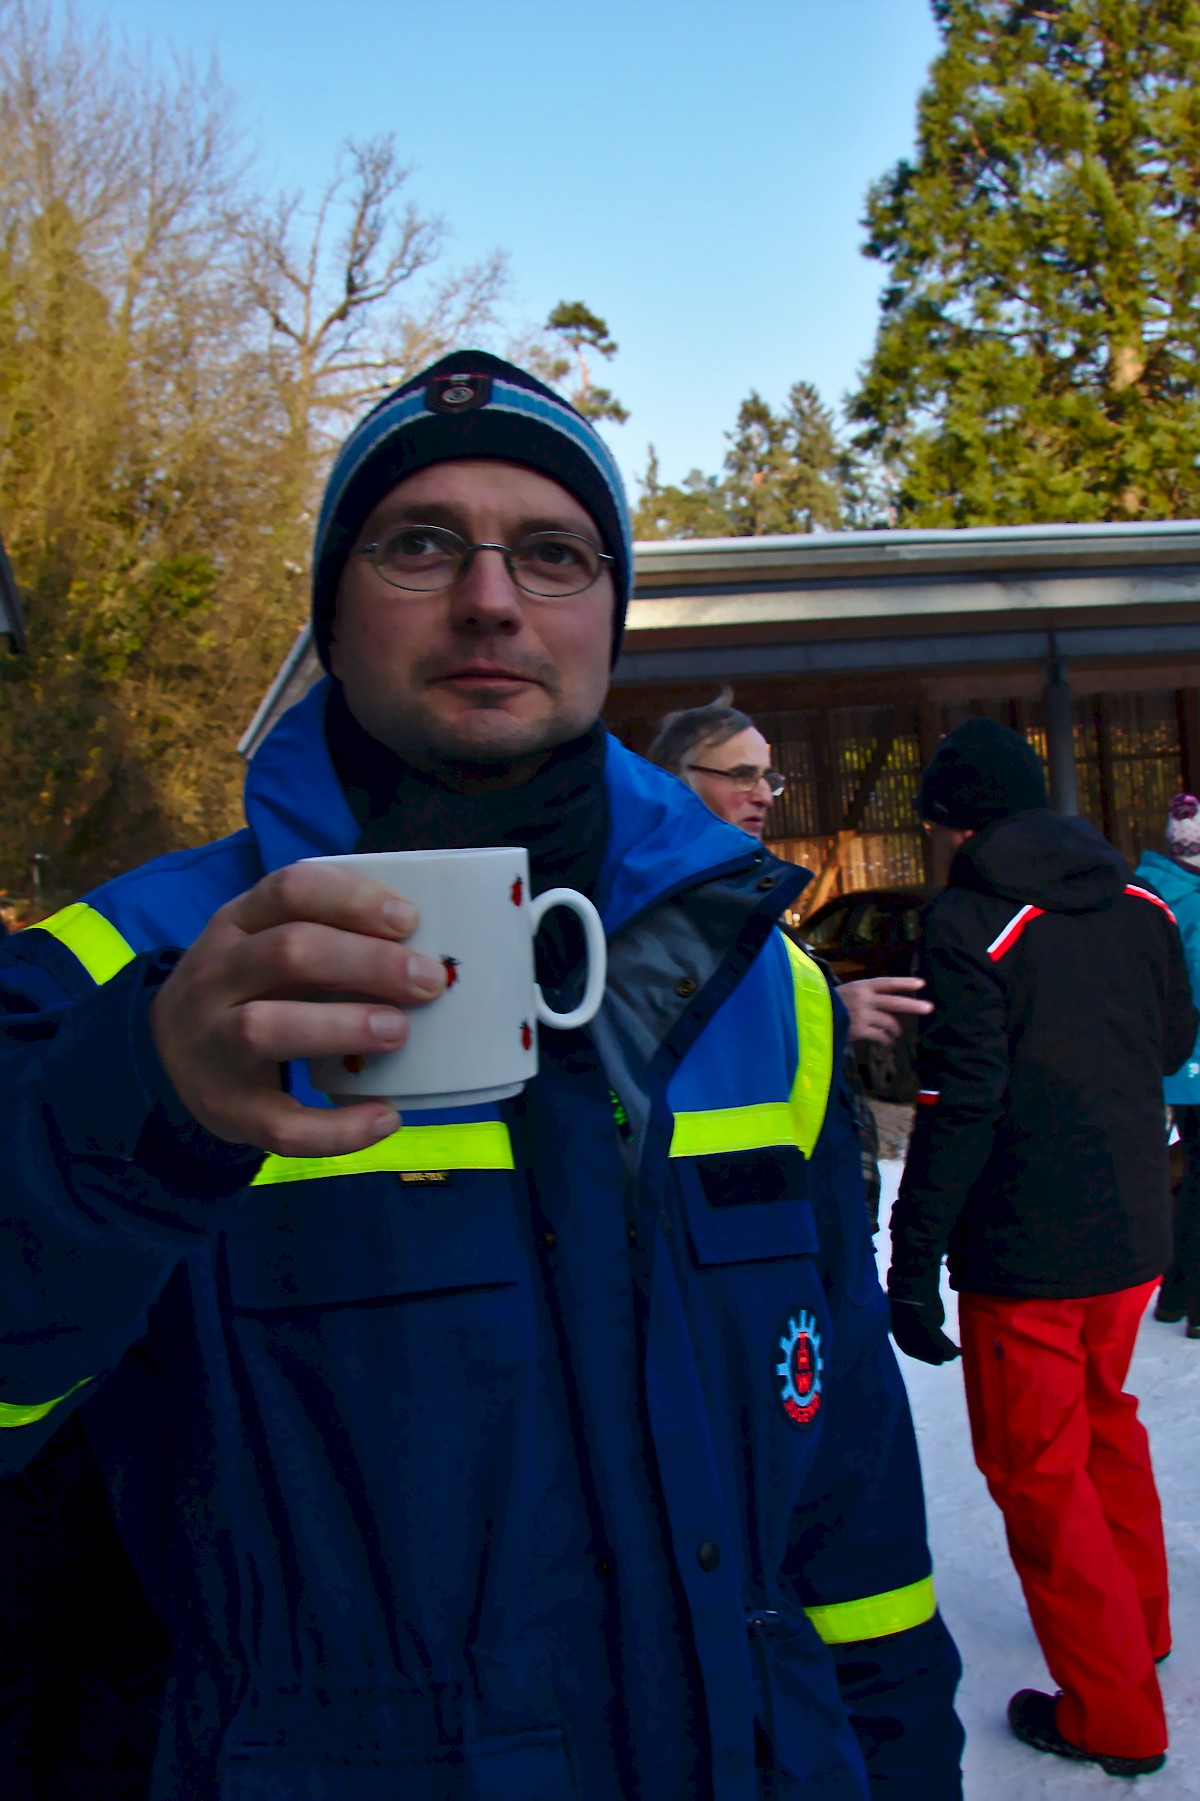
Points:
(662, 839)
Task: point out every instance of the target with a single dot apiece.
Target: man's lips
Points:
(485, 675)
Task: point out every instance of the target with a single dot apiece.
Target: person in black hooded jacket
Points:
(1038, 1166)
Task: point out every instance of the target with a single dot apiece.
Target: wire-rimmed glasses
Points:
(424, 558)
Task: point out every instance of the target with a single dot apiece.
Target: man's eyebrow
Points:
(430, 513)
(435, 512)
(578, 528)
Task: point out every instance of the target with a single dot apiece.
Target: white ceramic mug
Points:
(477, 1041)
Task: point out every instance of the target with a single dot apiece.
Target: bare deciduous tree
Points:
(334, 286)
(174, 360)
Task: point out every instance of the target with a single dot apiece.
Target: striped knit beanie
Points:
(467, 404)
(1183, 829)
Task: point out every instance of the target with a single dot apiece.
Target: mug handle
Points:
(597, 956)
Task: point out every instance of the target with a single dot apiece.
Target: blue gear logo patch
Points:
(800, 1370)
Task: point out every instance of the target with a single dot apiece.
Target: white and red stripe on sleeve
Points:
(1146, 894)
(1012, 931)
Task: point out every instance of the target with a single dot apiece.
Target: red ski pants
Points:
(1068, 1464)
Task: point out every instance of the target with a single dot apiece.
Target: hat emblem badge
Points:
(457, 393)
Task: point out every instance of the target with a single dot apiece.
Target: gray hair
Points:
(680, 733)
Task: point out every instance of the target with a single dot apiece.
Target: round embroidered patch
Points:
(800, 1369)
(457, 393)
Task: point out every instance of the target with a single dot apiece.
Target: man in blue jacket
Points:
(543, 1450)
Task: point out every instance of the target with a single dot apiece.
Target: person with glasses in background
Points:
(721, 754)
(724, 758)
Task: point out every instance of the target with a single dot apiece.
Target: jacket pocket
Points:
(526, 1766)
(380, 1740)
(748, 1206)
(347, 1239)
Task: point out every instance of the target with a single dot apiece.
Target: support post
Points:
(1060, 737)
(1187, 713)
(929, 733)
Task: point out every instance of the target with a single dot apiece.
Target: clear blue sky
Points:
(694, 171)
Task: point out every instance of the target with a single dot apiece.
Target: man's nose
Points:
(485, 595)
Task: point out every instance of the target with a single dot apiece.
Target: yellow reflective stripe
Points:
(795, 1121)
(11, 1414)
(875, 1616)
(481, 1144)
(89, 936)
(732, 1129)
(814, 1067)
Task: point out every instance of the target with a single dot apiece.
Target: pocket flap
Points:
(748, 1206)
(357, 1238)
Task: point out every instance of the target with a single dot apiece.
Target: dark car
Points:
(873, 932)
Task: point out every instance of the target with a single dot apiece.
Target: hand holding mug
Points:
(257, 989)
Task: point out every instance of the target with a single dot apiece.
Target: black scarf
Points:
(560, 815)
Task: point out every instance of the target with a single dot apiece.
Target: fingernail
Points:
(384, 1124)
(387, 1027)
(426, 974)
(401, 915)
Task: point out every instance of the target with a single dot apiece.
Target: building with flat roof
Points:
(855, 651)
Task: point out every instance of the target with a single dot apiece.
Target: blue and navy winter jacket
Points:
(1179, 886)
(548, 1450)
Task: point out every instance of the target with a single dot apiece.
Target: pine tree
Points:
(1038, 350)
(583, 330)
(785, 472)
(696, 508)
(783, 468)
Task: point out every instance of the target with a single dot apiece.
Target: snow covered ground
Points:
(981, 1598)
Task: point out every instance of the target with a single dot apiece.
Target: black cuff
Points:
(919, 1286)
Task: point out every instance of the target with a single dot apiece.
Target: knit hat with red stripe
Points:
(1183, 829)
(981, 772)
(468, 404)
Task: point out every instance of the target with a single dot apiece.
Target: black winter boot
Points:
(1031, 1715)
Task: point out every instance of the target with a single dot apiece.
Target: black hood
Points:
(1044, 860)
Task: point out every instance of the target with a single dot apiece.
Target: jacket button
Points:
(631, 1235)
(684, 987)
(708, 1556)
(549, 1240)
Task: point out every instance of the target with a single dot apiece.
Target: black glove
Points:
(918, 1319)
